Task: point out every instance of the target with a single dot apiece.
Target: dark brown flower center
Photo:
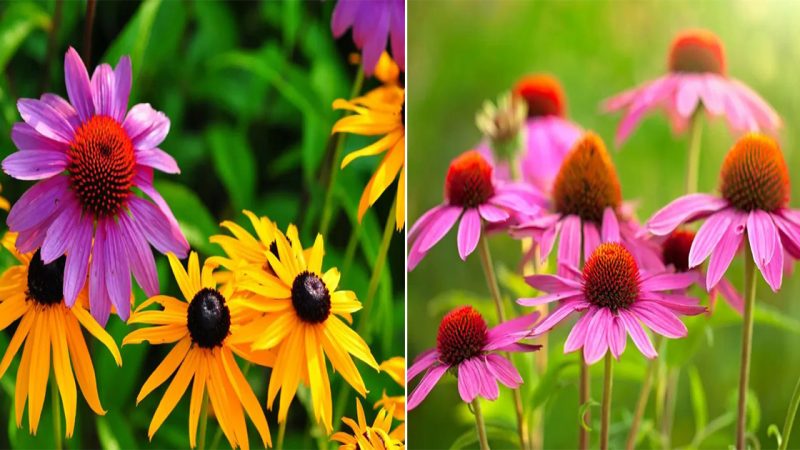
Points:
(754, 175)
(697, 51)
(587, 182)
(46, 281)
(469, 180)
(311, 298)
(208, 318)
(543, 94)
(462, 335)
(675, 249)
(101, 166)
(611, 277)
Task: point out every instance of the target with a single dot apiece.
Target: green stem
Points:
(281, 435)
(787, 425)
(693, 158)
(201, 439)
(350, 250)
(606, 415)
(59, 439)
(327, 209)
(87, 32)
(494, 288)
(668, 417)
(747, 344)
(583, 398)
(377, 271)
(476, 409)
(641, 403)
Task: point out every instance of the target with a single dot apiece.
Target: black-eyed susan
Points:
(301, 323)
(396, 369)
(201, 328)
(379, 112)
(369, 437)
(32, 292)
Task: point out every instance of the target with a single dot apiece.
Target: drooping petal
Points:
(639, 336)
(577, 336)
(724, 252)
(659, 319)
(503, 370)
(77, 264)
(469, 381)
(596, 343)
(763, 236)
(422, 363)
(684, 209)
(469, 233)
(157, 159)
(569, 248)
(610, 229)
(425, 385)
(708, 236)
(38, 204)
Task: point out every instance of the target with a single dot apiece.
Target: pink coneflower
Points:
(468, 348)
(697, 76)
(471, 194)
(754, 187)
(586, 208)
(90, 153)
(614, 295)
(373, 22)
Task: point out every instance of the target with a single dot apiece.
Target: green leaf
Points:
(193, 217)
(124, 380)
(292, 13)
(773, 430)
(493, 435)
(582, 413)
(114, 432)
(698, 396)
(134, 38)
(19, 20)
(234, 163)
(548, 383)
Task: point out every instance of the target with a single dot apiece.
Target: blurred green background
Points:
(248, 88)
(461, 53)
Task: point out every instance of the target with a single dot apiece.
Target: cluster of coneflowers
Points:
(91, 218)
(539, 178)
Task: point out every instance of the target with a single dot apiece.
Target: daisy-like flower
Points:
(369, 437)
(697, 78)
(396, 368)
(89, 154)
(466, 347)
(614, 298)
(32, 293)
(586, 208)
(754, 200)
(472, 194)
(373, 23)
(301, 325)
(675, 249)
(201, 327)
(379, 112)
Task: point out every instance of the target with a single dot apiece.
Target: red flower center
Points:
(675, 249)
(697, 51)
(754, 175)
(462, 335)
(587, 182)
(611, 277)
(101, 166)
(543, 94)
(469, 180)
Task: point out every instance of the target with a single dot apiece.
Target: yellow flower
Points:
(32, 292)
(366, 437)
(202, 328)
(396, 369)
(300, 306)
(379, 112)
(4, 205)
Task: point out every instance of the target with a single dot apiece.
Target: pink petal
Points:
(157, 159)
(638, 335)
(510, 331)
(591, 238)
(438, 227)
(103, 87)
(596, 343)
(726, 249)
(503, 370)
(46, 120)
(99, 302)
(26, 138)
(140, 255)
(78, 89)
(35, 164)
(469, 381)
(492, 213)
(569, 248)
(77, 265)
(422, 363)
(489, 388)
(551, 283)
(708, 236)
(668, 281)
(155, 226)
(659, 319)
(122, 88)
(731, 295)
(610, 231)
(688, 95)
(58, 233)
(773, 270)
(577, 336)
(555, 317)
(469, 232)
(764, 238)
(425, 385)
(117, 268)
(617, 337)
(422, 222)
(549, 298)
(146, 127)
(684, 209)
(37, 204)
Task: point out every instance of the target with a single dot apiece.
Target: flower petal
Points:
(35, 164)
(425, 385)
(684, 209)
(469, 233)
(78, 88)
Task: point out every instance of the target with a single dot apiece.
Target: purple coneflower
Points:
(373, 22)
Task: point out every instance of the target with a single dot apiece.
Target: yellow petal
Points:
(376, 148)
(181, 277)
(221, 402)
(207, 277)
(170, 303)
(16, 342)
(246, 396)
(195, 285)
(97, 331)
(400, 202)
(331, 279)
(82, 363)
(317, 371)
(293, 353)
(40, 368)
(396, 368)
(153, 317)
(23, 377)
(62, 368)
(196, 405)
(167, 367)
(351, 341)
(165, 334)
(344, 302)
(12, 309)
(276, 331)
(317, 251)
(174, 392)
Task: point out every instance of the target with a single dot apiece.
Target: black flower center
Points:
(310, 298)
(46, 281)
(208, 318)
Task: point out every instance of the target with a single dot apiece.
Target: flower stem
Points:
(327, 208)
(350, 250)
(377, 271)
(201, 439)
(494, 288)
(281, 435)
(606, 415)
(51, 43)
(583, 398)
(476, 409)
(787, 425)
(87, 32)
(693, 158)
(540, 358)
(56, 413)
(747, 344)
(641, 403)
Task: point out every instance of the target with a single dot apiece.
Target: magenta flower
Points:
(586, 209)
(373, 22)
(754, 187)
(616, 298)
(471, 194)
(89, 154)
(697, 76)
(468, 349)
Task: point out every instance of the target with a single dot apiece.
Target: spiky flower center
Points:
(754, 175)
(469, 180)
(46, 281)
(543, 94)
(587, 182)
(311, 298)
(697, 51)
(101, 166)
(611, 277)
(675, 249)
(462, 335)
(208, 318)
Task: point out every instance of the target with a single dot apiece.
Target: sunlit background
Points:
(461, 53)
